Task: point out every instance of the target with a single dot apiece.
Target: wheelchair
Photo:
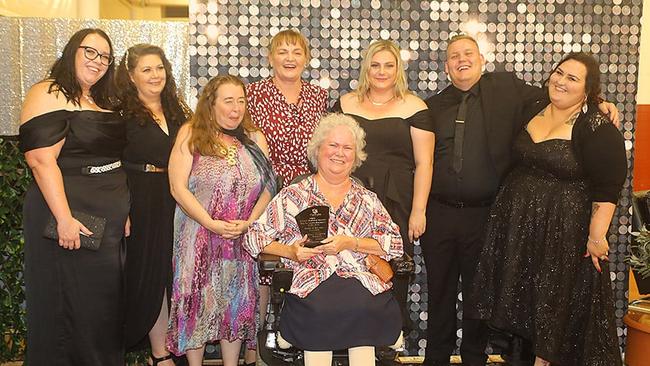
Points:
(271, 348)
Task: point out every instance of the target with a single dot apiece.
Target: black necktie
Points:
(459, 134)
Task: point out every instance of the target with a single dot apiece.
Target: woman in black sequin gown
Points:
(153, 112)
(74, 295)
(543, 274)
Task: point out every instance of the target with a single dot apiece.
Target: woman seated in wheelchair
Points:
(334, 302)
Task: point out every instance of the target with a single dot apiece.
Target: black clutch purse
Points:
(95, 224)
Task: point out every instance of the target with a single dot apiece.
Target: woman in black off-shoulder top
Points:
(399, 143)
(72, 143)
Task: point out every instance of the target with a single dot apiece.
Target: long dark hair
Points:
(592, 81)
(64, 77)
(131, 106)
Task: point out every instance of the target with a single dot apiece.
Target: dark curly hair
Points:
(64, 77)
(592, 81)
(130, 104)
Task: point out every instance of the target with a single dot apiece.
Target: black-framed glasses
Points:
(91, 54)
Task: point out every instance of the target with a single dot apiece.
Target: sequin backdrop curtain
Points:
(29, 46)
(525, 37)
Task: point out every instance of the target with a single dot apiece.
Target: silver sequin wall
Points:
(29, 47)
(525, 37)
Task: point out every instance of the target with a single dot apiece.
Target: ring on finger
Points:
(603, 257)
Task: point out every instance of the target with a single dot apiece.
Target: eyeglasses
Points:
(91, 54)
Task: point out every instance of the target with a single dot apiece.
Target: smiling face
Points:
(337, 152)
(149, 76)
(88, 72)
(288, 61)
(566, 87)
(464, 63)
(382, 71)
(229, 106)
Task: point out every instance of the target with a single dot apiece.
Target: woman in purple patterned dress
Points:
(221, 179)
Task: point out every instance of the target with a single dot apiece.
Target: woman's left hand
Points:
(127, 227)
(241, 226)
(598, 251)
(417, 225)
(334, 244)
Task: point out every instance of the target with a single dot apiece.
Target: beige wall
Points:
(104, 9)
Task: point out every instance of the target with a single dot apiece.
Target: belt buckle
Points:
(460, 204)
(150, 168)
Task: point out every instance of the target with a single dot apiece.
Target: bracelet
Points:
(589, 239)
(356, 244)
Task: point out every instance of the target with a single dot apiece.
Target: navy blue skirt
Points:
(339, 314)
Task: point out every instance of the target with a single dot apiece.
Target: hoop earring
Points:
(585, 108)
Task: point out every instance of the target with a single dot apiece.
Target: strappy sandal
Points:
(157, 360)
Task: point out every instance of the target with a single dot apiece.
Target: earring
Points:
(584, 105)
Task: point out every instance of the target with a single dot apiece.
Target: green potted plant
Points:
(639, 259)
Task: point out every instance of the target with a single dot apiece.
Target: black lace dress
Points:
(533, 279)
(74, 297)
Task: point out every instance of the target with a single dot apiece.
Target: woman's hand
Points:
(127, 227)
(598, 250)
(301, 253)
(227, 230)
(334, 244)
(610, 110)
(69, 230)
(417, 225)
(241, 226)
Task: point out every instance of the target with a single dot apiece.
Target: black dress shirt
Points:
(478, 179)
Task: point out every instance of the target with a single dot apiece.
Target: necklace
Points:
(230, 154)
(379, 104)
(88, 98)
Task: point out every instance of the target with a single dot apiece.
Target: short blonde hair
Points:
(289, 36)
(325, 126)
(401, 86)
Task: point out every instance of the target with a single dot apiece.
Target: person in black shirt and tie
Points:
(475, 121)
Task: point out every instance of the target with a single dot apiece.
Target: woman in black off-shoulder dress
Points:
(73, 143)
(399, 143)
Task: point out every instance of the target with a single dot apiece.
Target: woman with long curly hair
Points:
(221, 178)
(153, 112)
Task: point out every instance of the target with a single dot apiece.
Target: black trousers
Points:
(451, 246)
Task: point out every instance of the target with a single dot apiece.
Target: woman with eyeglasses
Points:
(76, 209)
(154, 111)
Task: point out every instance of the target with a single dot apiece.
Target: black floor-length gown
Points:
(74, 297)
(533, 279)
(149, 247)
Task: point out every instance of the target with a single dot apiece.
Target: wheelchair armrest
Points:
(403, 266)
(268, 263)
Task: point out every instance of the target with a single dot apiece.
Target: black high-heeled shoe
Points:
(157, 360)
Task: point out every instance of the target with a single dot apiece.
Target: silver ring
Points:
(603, 257)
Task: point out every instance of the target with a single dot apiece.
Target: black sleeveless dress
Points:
(74, 297)
(149, 247)
(533, 279)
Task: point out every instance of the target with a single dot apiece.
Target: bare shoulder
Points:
(40, 100)
(349, 101)
(414, 103)
(260, 140)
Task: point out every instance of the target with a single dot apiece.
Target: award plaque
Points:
(313, 222)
